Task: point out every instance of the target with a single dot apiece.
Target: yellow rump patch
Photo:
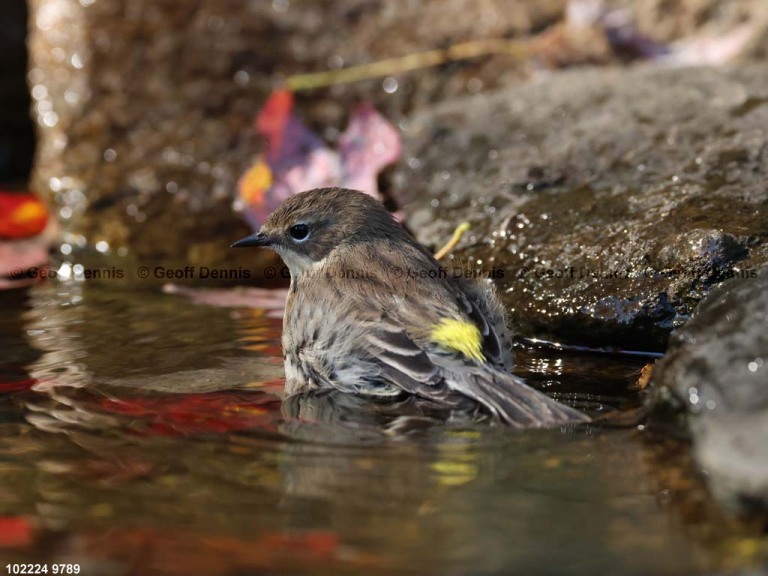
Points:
(460, 336)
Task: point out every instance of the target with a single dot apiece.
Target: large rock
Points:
(611, 201)
(716, 369)
(145, 110)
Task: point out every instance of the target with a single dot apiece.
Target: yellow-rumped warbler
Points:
(370, 311)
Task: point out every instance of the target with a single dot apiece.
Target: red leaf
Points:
(369, 143)
(8, 386)
(21, 215)
(189, 414)
(15, 532)
(272, 120)
(299, 160)
(153, 550)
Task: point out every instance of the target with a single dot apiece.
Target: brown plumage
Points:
(364, 301)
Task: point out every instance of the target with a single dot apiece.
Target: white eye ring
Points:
(299, 232)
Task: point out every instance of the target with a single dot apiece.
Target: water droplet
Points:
(493, 154)
(110, 155)
(59, 54)
(389, 85)
(50, 119)
(752, 366)
(66, 249)
(187, 160)
(76, 61)
(413, 163)
(64, 272)
(102, 246)
(122, 251)
(172, 187)
(280, 5)
(71, 97)
(215, 23)
(474, 85)
(65, 213)
(39, 92)
(242, 78)
(445, 175)
(60, 142)
(171, 156)
(435, 203)
(335, 62)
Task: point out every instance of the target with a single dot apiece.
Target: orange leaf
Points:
(254, 184)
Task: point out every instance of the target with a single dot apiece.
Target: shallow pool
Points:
(141, 433)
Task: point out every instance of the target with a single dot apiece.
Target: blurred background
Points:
(140, 115)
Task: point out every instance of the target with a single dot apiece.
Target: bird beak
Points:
(258, 239)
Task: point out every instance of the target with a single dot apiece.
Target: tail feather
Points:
(516, 403)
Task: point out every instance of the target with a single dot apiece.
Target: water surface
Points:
(141, 433)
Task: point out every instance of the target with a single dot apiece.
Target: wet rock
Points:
(145, 110)
(606, 204)
(716, 369)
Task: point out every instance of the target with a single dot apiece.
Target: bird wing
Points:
(402, 362)
(437, 374)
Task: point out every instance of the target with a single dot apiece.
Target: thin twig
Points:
(461, 229)
(392, 66)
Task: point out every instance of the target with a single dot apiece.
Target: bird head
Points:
(308, 226)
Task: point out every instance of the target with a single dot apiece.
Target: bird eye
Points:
(299, 232)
